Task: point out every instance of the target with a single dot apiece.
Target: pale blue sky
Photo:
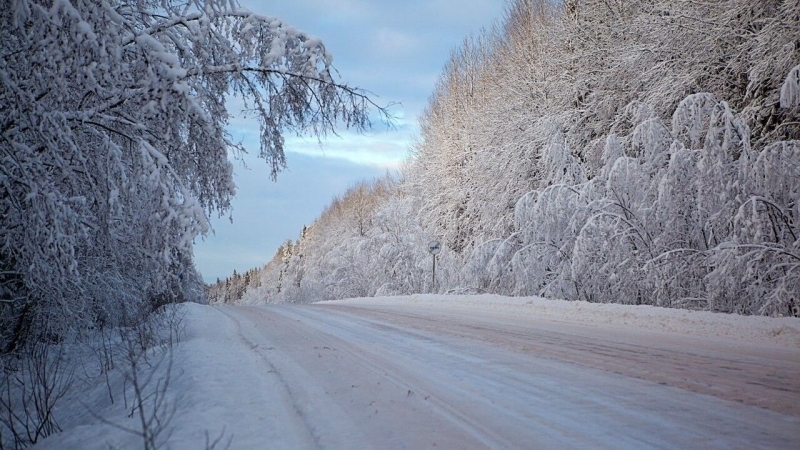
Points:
(394, 49)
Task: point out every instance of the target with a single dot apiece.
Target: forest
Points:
(114, 153)
(638, 152)
(642, 152)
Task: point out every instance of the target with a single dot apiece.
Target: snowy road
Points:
(392, 376)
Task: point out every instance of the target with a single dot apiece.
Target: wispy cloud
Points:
(380, 150)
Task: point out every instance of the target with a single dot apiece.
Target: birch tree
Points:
(114, 145)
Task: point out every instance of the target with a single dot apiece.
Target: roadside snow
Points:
(212, 378)
(783, 331)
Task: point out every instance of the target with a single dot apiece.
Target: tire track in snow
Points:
(406, 382)
(298, 425)
(359, 380)
(389, 373)
(768, 381)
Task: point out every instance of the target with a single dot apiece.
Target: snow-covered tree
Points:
(114, 149)
(637, 152)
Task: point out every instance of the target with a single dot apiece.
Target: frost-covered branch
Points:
(114, 147)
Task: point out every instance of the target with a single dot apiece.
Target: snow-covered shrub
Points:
(790, 91)
(759, 268)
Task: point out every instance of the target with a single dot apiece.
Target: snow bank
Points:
(212, 375)
(783, 331)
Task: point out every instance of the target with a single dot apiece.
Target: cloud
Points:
(395, 43)
(378, 150)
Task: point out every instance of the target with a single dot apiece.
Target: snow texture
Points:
(781, 331)
(790, 91)
(453, 371)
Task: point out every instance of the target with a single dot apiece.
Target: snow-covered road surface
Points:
(378, 376)
(467, 372)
